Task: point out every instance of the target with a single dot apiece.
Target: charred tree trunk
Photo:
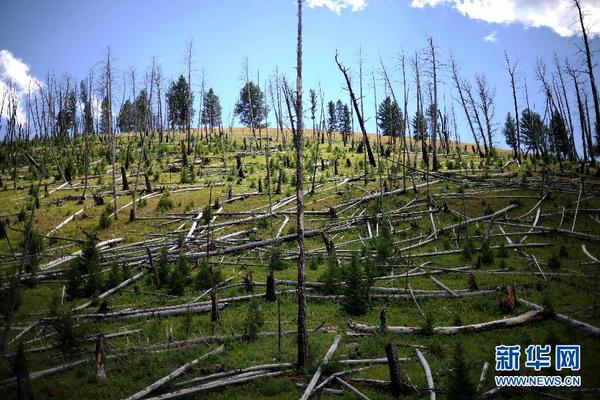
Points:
(124, 181)
(398, 385)
(271, 295)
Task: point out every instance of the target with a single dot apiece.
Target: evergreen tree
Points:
(84, 277)
(251, 107)
(84, 97)
(510, 132)
(212, 110)
(32, 246)
(356, 299)
(558, 134)
(332, 122)
(126, 118)
(71, 111)
(389, 118)
(180, 102)
(532, 130)
(141, 110)
(419, 125)
(104, 116)
(460, 385)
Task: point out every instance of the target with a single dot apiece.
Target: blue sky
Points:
(71, 37)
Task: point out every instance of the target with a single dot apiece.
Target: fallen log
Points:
(317, 374)
(179, 371)
(262, 368)
(592, 330)
(523, 319)
(352, 388)
(427, 371)
(216, 384)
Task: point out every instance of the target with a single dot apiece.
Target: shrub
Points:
(563, 252)
(208, 276)
(69, 336)
(165, 203)
(331, 277)
(105, 220)
(553, 262)
(163, 265)
(468, 250)
(428, 324)
(179, 277)
(487, 255)
(502, 251)
(276, 260)
(254, 320)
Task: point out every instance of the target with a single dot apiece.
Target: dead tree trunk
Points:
(299, 142)
(249, 283)
(148, 183)
(511, 71)
(239, 166)
(214, 311)
(101, 357)
(271, 295)
(124, 181)
(358, 113)
(398, 384)
(459, 89)
(590, 71)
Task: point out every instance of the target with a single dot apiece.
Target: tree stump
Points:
(472, 282)
(399, 384)
(214, 310)
(248, 283)
(124, 181)
(239, 166)
(148, 184)
(100, 356)
(271, 295)
(383, 324)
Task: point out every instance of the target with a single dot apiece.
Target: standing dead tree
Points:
(511, 68)
(590, 69)
(459, 88)
(434, 121)
(580, 108)
(486, 103)
(111, 132)
(299, 142)
(358, 113)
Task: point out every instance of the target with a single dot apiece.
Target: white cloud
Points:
(15, 80)
(558, 15)
(338, 5)
(491, 38)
